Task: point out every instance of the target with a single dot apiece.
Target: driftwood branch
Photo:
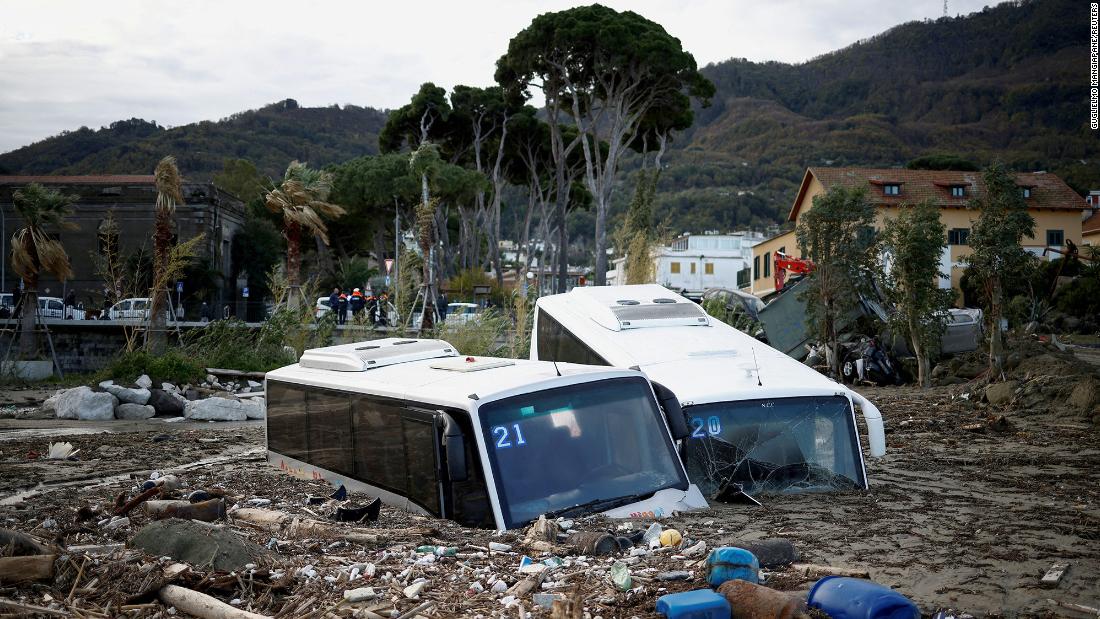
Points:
(201, 605)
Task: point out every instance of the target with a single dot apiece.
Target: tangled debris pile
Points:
(169, 539)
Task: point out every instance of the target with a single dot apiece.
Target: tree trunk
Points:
(162, 241)
(293, 263)
(601, 244)
(996, 345)
(28, 339)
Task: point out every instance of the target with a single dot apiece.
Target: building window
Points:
(708, 268)
(674, 267)
(767, 264)
(1025, 192)
(1056, 238)
(958, 191)
(693, 268)
(958, 236)
(756, 267)
(891, 190)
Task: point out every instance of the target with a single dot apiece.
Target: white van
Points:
(486, 442)
(757, 417)
(130, 309)
(53, 307)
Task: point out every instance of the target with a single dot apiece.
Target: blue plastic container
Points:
(855, 598)
(701, 604)
(732, 564)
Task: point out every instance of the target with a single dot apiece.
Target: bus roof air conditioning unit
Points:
(362, 356)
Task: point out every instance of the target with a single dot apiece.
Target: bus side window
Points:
(379, 444)
(287, 422)
(330, 441)
(557, 344)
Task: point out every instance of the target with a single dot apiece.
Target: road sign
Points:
(244, 292)
(389, 266)
(179, 287)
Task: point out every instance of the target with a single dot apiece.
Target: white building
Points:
(692, 263)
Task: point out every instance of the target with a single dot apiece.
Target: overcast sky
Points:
(64, 64)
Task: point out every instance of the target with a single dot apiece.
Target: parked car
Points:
(323, 307)
(458, 313)
(130, 309)
(54, 307)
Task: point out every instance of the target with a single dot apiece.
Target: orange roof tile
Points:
(1047, 190)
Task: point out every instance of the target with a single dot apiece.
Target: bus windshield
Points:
(799, 444)
(600, 444)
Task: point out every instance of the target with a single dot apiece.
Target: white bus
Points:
(757, 417)
(485, 442)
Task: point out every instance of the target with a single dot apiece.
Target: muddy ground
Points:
(966, 511)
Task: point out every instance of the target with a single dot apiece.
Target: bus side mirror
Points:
(677, 424)
(454, 449)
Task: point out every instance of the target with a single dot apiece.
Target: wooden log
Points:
(138, 500)
(201, 605)
(26, 569)
(263, 517)
(257, 376)
(29, 608)
(817, 571)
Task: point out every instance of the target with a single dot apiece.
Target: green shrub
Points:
(173, 366)
(483, 337)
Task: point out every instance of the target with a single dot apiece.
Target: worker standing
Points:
(342, 309)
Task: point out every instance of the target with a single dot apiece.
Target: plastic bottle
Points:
(439, 551)
(620, 576)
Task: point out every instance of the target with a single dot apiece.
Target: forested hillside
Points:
(270, 137)
(1008, 83)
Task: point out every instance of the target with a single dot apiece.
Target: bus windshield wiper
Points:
(598, 505)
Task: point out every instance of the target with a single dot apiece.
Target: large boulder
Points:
(254, 408)
(50, 405)
(166, 403)
(125, 394)
(134, 411)
(203, 545)
(215, 409)
(85, 404)
(999, 394)
(144, 381)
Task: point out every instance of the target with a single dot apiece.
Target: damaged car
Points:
(758, 420)
(486, 442)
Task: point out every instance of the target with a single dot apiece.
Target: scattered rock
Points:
(83, 403)
(198, 543)
(255, 385)
(134, 411)
(216, 409)
(144, 381)
(169, 387)
(166, 402)
(999, 394)
(125, 394)
(254, 408)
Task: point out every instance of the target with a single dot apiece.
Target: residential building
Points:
(206, 210)
(1058, 211)
(692, 263)
(1090, 230)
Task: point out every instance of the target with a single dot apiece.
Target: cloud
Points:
(72, 63)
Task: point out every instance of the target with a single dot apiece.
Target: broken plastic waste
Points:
(620, 576)
(439, 551)
(359, 513)
(595, 543)
(652, 536)
(527, 565)
(675, 575)
(340, 494)
(198, 496)
(772, 553)
(854, 598)
(700, 604)
(732, 563)
(61, 451)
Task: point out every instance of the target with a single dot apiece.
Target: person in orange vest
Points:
(357, 302)
(342, 309)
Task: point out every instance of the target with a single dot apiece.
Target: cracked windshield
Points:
(596, 442)
(781, 445)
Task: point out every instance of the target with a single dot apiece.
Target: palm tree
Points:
(301, 199)
(33, 251)
(169, 194)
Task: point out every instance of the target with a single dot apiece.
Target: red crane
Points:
(785, 263)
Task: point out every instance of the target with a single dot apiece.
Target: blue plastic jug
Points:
(732, 563)
(854, 598)
(701, 604)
